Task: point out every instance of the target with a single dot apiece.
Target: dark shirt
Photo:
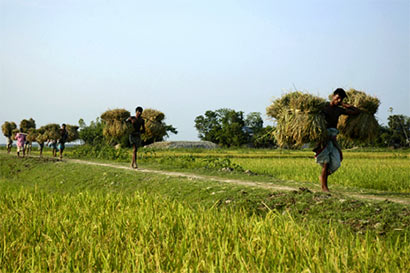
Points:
(64, 135)
(332, 114)
(137, 125)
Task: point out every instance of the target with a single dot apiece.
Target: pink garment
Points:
(21, 138)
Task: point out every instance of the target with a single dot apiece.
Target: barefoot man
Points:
(329, 154)
(138, 128)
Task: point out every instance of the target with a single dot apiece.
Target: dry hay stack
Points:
(72, 131)
(115, 127)
(52, 131)
(8, 128)
(299, 119)
(154, 126)
(25, 125)
(364, 126)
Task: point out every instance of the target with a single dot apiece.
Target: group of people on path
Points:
(327, 154)
(24, 146)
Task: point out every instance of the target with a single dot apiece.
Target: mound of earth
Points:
(183, 145)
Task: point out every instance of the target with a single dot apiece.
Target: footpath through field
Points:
(265, 185)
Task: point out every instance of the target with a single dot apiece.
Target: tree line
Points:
(231, 128)
(225, 127)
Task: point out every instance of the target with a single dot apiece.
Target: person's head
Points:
(338, 96)
(138, 111)
(63, 126)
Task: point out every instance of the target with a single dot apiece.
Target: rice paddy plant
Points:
(106, 232)
(386, 174)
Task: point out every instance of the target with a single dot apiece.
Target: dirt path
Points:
(265, 185)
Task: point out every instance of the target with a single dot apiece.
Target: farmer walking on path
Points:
(63, 139)
(329, 154)
(137, 128)
(21, 141)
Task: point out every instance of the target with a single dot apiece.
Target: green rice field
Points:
(70, 217)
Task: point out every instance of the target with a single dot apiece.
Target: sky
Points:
(69, 59)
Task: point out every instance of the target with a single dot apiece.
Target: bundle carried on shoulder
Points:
(299, 119)
(364, 126)
(27, 124)
(153, 123)
(115, 127)
(52, 131)
(41, 135)
(14, 133)
(72, 131)
(8, 128)
(32, 134)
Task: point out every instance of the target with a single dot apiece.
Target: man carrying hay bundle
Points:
(8, 128)
(21, 140)
(62, 140)
(329, 154)
(137, 128)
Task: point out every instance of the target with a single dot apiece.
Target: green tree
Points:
(254, 121)
(399, 126)
(223, 126)
(91, 134)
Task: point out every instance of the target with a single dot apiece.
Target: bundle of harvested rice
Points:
(115, 127)
(299, 119)
(52, 131)
(275, 109)
(115, 114)
(8, 128)
(31, 135)
(364, 126)
(72, 131)
(41, 136)
(25, 125)
(154, 127)
(14, 133)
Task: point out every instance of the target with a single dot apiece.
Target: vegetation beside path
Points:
(63, 216)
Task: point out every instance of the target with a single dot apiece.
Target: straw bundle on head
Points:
(299, 119)
(363, 127)
(25, 125)
(72, 131)
(52, 131)
(154, 127)
(8, 128)
(115, 127)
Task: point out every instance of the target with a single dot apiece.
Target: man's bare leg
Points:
(323, 177)
(134, 157)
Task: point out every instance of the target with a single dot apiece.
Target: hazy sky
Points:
(69, 59)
